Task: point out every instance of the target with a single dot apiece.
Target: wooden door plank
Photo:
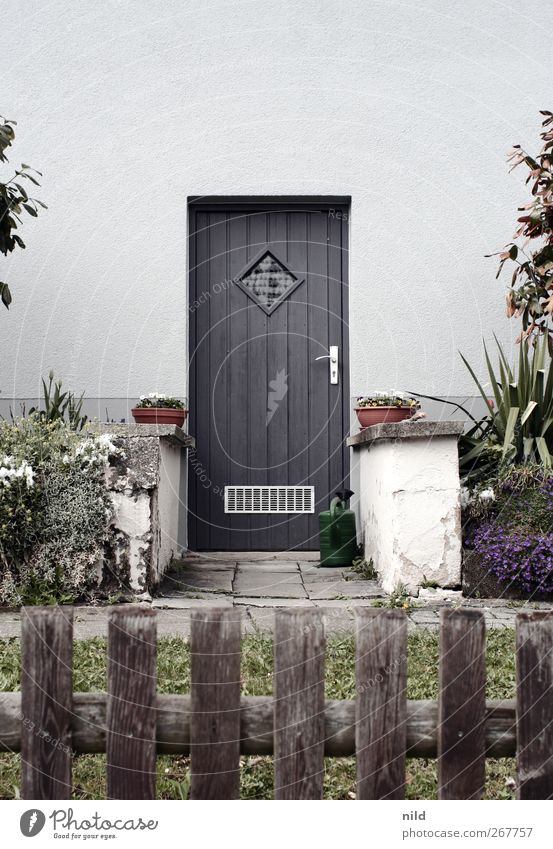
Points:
(279, 375)
(339, 399)
(345, 349)
(239, 364)
(462, 705)
(319, 380)
(256, 330)
(131, 707)
(299, 705)
(298, 382)
(217, 385)
(46, 702)
(535, 704)
(381, 703)
(198, 458)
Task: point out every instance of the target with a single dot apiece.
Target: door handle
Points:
(332, 358)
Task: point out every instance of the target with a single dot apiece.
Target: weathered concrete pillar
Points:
(147, 497)
(409, 501)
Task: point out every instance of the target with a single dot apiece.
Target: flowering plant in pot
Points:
(159, 409)
(382, 407)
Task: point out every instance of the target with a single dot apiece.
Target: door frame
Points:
(206, 203)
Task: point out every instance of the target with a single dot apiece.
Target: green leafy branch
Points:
(14, 201)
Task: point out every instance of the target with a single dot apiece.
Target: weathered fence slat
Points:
(46, 702)
(535, 705)
(381, 703)
(215, 703)
(299, 647)
(462, 705)
(131, 704)
(49, 723)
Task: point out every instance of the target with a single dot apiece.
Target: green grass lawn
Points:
(257, 666)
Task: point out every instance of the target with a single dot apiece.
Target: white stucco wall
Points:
(409, 510)
(148, 525)
(170, 501)
(129, 106)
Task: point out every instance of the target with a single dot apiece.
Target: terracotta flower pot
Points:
(159, 415)
(377, 415)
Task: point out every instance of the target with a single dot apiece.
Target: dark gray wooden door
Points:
(268, 294)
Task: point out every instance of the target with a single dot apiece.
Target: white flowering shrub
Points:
(54, 511)
(10, 472)
(156, 399)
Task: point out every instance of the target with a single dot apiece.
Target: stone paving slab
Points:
(343, 603)
(249, 556)
(184, 603)
(310, 570)
(185, 582)
(203, 565)
(263, 601)
(338, 621)
(257, 614)
(271, 590)
(257, 584)
(272, 585)
(10, 625)
(263, 619)
(268, 567)
(424, 617)
(347, 589)
(321, 578)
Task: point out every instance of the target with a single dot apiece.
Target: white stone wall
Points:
(128, 107)
(133, 528)
(169, 502)
(144, 486)
(409, 510)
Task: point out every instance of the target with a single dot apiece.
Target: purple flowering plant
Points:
(512, 527)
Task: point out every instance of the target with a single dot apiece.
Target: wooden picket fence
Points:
(49, 723)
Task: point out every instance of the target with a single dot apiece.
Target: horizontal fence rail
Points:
(132, 724)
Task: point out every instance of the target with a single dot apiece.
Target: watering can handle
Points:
(336, 506)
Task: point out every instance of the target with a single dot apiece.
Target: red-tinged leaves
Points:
(532, 280)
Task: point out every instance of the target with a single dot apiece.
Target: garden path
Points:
(257, 583)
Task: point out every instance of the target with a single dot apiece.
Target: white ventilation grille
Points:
(269, 499)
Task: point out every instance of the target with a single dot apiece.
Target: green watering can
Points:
(337, 534)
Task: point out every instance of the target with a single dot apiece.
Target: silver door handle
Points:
(332, 356)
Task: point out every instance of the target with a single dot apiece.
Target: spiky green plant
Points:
(60, 405)
(520, 428)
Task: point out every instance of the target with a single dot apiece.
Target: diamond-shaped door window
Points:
(267, 281)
